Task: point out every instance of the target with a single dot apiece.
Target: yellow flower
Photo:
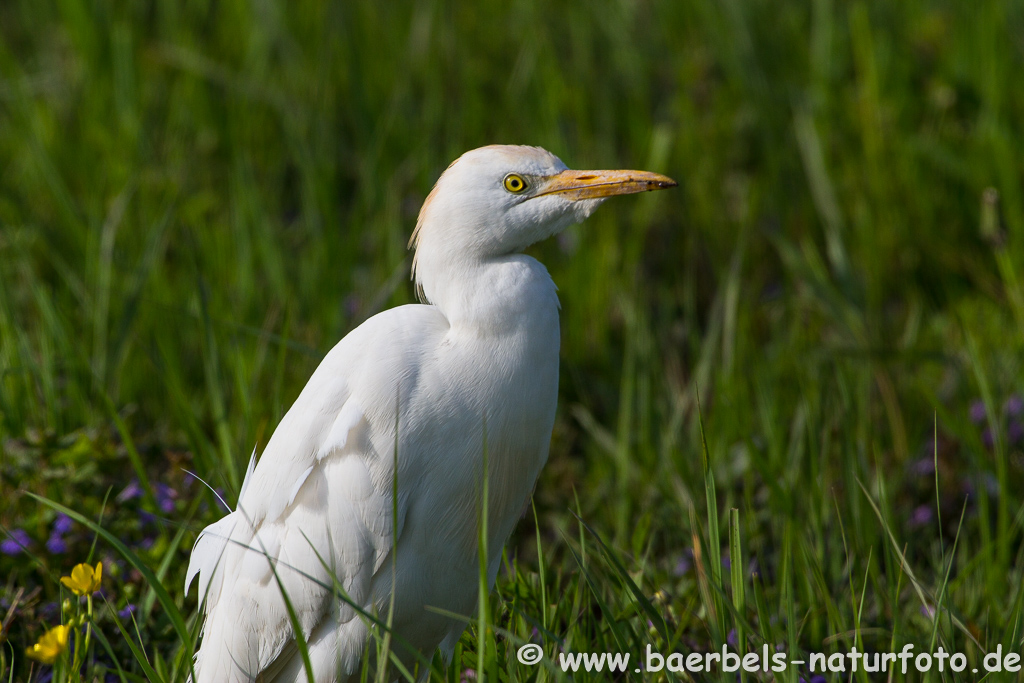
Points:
(50, 645)
(84, 580)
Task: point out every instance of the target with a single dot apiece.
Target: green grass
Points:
(198, 199)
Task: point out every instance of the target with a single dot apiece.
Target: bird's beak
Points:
(576, 185)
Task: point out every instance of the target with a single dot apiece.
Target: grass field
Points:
(198, 199)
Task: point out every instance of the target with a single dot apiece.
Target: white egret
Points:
(422, 386)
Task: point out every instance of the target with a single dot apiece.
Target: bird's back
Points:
(316, 513)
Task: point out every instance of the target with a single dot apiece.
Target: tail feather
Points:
(208, 550)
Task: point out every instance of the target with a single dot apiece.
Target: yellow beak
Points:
(576, 185)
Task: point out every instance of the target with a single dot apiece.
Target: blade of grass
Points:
(738, 594)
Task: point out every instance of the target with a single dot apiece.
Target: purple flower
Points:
(1014, 406)
(62, 524)
(17, 542)
(1015, 433)
(924, 466)
(49, 611)
(928, 611)
(146, 543)
(56, 545)
(978, 412)
(125, 613)
(683, 564)
(165, 497)
(921, 516)
(731, 638)
(146, 517)
(130, 492)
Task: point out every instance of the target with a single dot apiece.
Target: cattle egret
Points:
(424, 389)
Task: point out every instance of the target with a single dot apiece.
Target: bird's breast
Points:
(493, 393)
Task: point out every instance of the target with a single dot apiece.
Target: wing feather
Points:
(316, 508)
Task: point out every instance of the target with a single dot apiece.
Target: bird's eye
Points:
(514, 183)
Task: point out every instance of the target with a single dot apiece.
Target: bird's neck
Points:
(492, 295)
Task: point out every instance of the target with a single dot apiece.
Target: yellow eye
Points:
(514, 183)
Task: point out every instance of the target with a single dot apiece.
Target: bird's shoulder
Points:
(356, 385)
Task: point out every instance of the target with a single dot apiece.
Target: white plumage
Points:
(424, 382)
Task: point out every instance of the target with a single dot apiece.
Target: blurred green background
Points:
(199, 198)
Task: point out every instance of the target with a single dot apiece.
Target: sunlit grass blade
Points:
(646, 606)
(738, 593)
(138, 651)
(714, 549)
(906, 569)
(121, 673)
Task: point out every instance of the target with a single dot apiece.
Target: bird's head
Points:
(500, 199)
